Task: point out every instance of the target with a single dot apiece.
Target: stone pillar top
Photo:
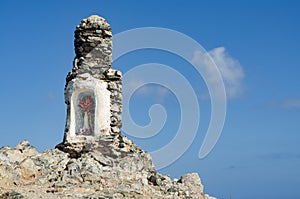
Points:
(90, 33)
(93, 48)
(94, 22)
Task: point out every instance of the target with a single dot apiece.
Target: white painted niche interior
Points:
(89, 108)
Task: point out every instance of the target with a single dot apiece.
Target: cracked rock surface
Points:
(108, 173)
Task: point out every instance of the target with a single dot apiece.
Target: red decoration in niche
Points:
(86, 104)
(86, 123)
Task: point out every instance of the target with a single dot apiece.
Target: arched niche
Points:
(88, 113)
(85, 110)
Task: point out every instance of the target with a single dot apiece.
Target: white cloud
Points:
(132, 85)
(230, 69)
(147, 90)
(287, 103)
(291, 103)
(51, 95)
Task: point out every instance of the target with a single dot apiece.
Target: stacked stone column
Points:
(93, 48)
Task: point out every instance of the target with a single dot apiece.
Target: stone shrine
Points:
(93, 91)
(94, 160)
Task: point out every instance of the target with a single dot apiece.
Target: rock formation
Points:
(94, 160)
(107, 173)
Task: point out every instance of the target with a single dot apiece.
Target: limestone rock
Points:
(98, 173)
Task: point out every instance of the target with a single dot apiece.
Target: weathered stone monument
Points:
(93, 91)
(94, 160)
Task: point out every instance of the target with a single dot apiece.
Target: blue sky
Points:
(258, 153)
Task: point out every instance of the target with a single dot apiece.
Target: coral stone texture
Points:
(94, 160)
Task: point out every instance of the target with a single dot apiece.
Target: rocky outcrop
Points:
(111, 172)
